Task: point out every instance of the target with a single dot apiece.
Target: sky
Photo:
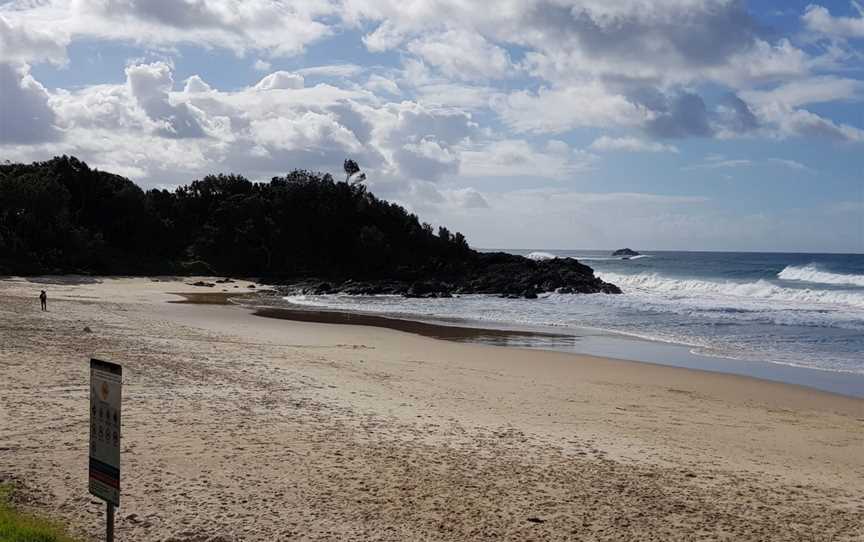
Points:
(653, 124)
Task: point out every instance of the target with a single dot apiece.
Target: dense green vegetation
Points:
(61, 216)
(20, 527)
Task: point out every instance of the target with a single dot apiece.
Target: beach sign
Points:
(105, 396)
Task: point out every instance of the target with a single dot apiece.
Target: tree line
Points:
(61, 216)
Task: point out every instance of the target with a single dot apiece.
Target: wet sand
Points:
(238, 427)
(584, 342)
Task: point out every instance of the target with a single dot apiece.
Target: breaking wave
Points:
(539, 255)
(760, 289)
(811, 273)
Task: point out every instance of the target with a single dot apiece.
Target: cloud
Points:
(789, 122)
(332, 70)
(412, 121)
(385, 37)
(719, 163)
(311, 133)
(763, 63)
(150, 85)
(818, 19)
(377, 83)
(576, 64)
(684, 115)
(561, 110)
(715, 161)
(280, 80)
(26, 115)
(779, 110)
(426, 159)
(520, 158)
(678, 40)
(462, 55)
(677, 35)
(592, 60)
(101, 107)
(629, 144)
(812, 90)
(272, 27)
(791, 164)
(165, 136)
(465, 198)
(735, 116)
(195, 84)
(20, 43)
(446, 94)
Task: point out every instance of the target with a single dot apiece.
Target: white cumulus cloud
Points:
(629, 144)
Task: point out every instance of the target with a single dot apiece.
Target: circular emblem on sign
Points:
(103, 391)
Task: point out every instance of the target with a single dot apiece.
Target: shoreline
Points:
(492, 338)
(357, 432)
(602, 344)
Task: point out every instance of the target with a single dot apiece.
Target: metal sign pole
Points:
(109, 529)
(106, 390)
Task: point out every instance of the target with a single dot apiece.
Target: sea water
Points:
(804, 310)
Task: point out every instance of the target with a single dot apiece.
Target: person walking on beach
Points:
(43, 299)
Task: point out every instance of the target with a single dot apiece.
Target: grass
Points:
(16, 526)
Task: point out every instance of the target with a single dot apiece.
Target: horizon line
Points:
(484, 249)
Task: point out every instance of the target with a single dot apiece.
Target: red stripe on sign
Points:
(107, 480)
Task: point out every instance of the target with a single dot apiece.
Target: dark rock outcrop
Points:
(428, 289)
(496, 273)
(625, 252)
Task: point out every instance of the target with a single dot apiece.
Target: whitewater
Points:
(812, 273)
(803, 310)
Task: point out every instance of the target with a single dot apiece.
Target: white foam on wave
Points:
(541, 256)
(811, 273)
(306, 301)
(761, 289)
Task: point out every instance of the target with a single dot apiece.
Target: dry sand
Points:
(238, 427)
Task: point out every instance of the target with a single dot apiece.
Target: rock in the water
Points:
(323, 288)
(87, 329)
(625, 252)
(428, 289)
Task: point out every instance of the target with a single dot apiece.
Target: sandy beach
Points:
(240, 427)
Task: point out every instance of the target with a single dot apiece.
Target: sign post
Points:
(105, 399)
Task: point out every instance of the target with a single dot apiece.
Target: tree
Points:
(351, 168)
(61, 216)
(444, 234)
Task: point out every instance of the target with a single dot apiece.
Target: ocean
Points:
(801, 310)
